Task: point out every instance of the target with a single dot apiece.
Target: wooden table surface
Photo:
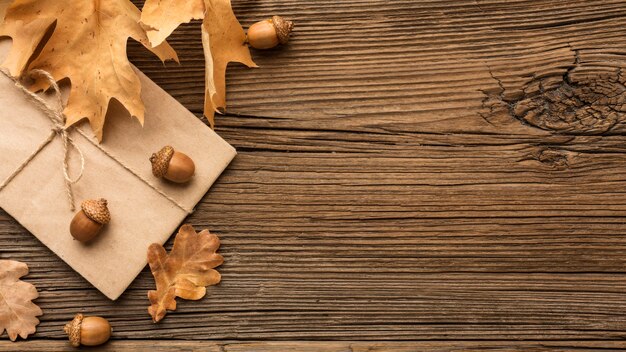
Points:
(412, 175)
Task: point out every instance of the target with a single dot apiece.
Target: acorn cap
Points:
(72, 329)
(283, 28)
(97, 210)
(161, 161)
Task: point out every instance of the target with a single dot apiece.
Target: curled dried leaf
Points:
(18, 315)
(185, 272)
(223, 40)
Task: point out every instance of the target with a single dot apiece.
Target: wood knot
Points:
(549, 158)
(553, 158)
(584, 101)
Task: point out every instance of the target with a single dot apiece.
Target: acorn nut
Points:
(269, 33)
(88, 331)
(172, 165)
(89, 220)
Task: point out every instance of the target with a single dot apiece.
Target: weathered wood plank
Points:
(439, 244)
(409, 65)
(412, 170)
(327, 346)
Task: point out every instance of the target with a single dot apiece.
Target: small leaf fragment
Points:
(160, 18)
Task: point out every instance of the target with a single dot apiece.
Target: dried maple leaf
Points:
(87, 44)
(222, 37)
(18, 315)
(185, 272)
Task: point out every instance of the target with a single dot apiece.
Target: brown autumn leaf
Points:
(223, 40)
(185, 272)
(87, 44)
(18, 315)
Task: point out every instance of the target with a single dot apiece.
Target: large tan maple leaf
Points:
(185, 272)
(18, 315)
(223, 40)
(87, 44)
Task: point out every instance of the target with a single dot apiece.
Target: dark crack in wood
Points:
(585, 100)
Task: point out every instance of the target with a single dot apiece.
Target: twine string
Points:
(58, 129)
(58, 119)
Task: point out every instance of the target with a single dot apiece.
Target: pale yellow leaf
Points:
(161, 17)
(224, 41)
(18, 315)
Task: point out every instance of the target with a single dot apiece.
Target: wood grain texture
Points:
(330, 346)
(447, 173)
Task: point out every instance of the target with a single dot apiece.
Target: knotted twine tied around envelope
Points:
(36, 197)
(58, 128)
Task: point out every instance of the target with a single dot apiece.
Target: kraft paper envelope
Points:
(144, 209)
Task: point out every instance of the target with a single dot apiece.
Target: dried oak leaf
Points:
(223, 40)
(87, 44)
(18, 315)
(185, 272)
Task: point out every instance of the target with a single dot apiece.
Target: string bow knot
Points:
(58, 128)
(58, 120)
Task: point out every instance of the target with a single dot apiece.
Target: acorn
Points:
(172, 165)
(269, 33)
(88, 331)
(88, 222)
